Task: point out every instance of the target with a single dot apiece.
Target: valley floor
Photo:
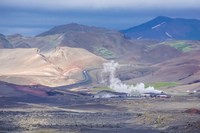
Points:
(81, 113)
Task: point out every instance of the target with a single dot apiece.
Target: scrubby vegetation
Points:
(155, 85)
(181, 45)
(102, 88)
(162, 84)
(104, 52)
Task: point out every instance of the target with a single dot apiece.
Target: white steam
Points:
(118, 86)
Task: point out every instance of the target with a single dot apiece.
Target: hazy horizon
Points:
(33, 17)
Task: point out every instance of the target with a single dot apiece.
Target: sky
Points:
(32, 17)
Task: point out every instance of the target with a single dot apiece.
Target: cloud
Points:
(101, 4)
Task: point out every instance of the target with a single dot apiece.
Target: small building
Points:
(133, 95)
(163, 96)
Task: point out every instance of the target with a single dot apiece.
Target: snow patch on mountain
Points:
(168, 34)
(157, 25)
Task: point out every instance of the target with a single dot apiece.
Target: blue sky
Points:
(31, 17)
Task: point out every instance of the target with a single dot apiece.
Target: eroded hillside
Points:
(29, 66)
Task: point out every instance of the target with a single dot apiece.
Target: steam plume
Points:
(118, 86)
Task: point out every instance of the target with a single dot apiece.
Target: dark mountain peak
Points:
(164, 28)
(159, 20)
(72, 27)
(150, 24)
(163, 18)
(72, 23)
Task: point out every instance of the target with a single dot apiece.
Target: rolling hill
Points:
(109, 44)
(100, 41)
(57, 57)
(164, 28)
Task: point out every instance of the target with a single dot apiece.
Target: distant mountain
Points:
(165, 28)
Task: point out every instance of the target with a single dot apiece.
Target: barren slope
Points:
(45, 44)
(185, 70)
(4, 43)
(150, 55)
(100, 41)
(29, 66)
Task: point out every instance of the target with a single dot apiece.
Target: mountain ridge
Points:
(73, 27)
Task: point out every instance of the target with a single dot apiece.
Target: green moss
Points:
(104, 52)
(155, 85)
(179, 45)
(102, 88)
(160, 119)
(50, 36)
(162, 84)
